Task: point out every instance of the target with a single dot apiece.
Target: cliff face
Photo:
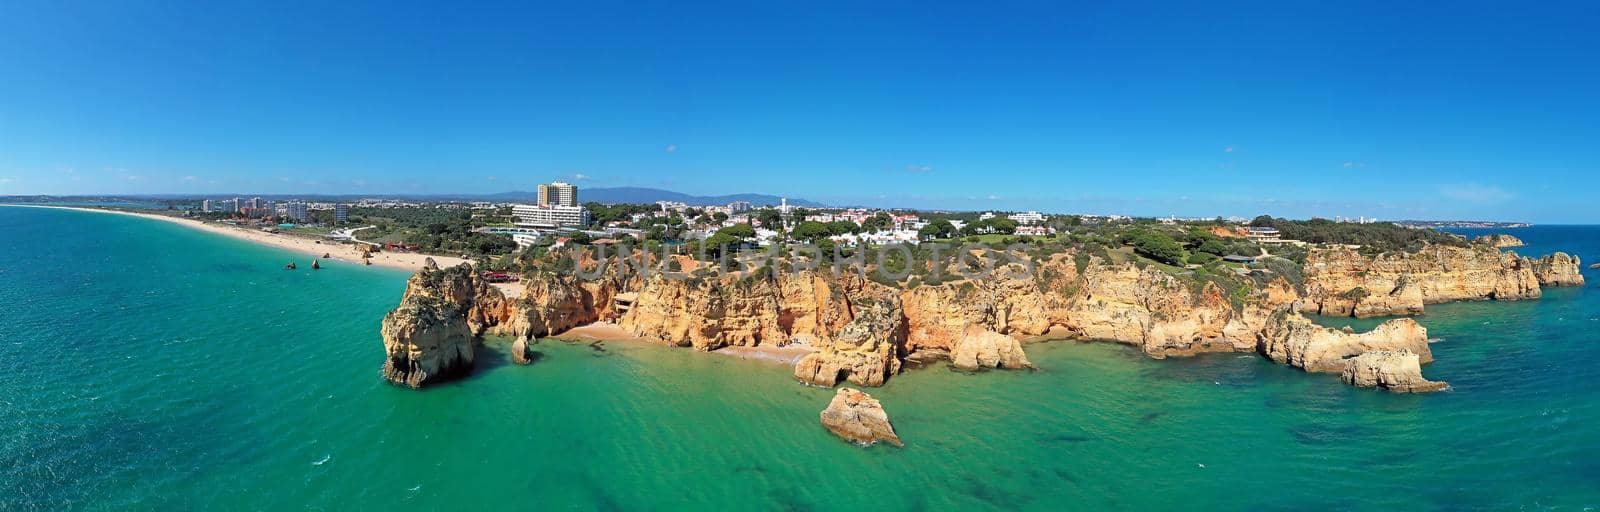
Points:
(1559, 269)
(710, 313)
(1295, 341)
(862, 331)
(1342, 282)
(1499, 240)
(427, 338)
(1399, 371)
(865, 352)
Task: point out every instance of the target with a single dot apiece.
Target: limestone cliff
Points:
(862, 331)
(988, 349)
(1342, 282)
(865, 352)
(427, 338)
(1399, 371)
(1499, 240)
(1559, 269)
(1293, 340)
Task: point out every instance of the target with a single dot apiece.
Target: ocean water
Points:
(144, 366)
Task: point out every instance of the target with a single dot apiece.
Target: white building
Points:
(297, 210)
(1030, 217)
(549, 216)
(738, 207)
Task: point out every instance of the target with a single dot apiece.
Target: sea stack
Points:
(427, 339)
(1559, 269)
(1399, 371)
(858, 418)
(521, 353)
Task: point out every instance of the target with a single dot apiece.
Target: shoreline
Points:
(610, 331)
(346, 252)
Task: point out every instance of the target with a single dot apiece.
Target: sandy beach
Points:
(607, 331)
(349, 252)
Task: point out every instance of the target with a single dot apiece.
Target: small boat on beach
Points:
(290, 266)
(315, 264)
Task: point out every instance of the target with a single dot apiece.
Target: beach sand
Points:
(349, 252)
(607, 331)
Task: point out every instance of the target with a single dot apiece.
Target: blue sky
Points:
(1295, 109)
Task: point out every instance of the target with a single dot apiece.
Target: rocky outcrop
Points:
(864, 332)
(988, 349)
(1293, 340)
(1399, 371)
(521, 352)
(1559, 269)
(432, 335)
(1343, 282)
(865, 352)
(858, 418)
(1499, 241)
(427, 338)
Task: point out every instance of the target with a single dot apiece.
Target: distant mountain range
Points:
(643, 195)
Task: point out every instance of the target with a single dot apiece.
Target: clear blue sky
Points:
(1327, 108)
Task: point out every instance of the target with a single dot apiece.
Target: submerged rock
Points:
(858, 418)
(1399, 371)
(988, 349)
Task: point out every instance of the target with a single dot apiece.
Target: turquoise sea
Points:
(145, 366)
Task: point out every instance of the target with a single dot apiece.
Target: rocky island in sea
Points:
(865, 331)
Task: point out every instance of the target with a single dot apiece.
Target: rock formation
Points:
(863, 332)
(1559, 269)
(1293, 340)
(858, 418)
(1342, 282)
(1399, 371)
(988, 349)
(521, 353)
(864, 352)
(1499, 240)
(427, 338)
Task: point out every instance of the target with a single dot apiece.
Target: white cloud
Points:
(918, 169)
(1475, 193)
(492, 178)
(672, 148)
(580, 177)
(993, 197)
(4, 181)
(190, 178)
(1228, 149)
(1354, 165)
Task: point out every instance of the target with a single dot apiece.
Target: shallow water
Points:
(147, 366)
